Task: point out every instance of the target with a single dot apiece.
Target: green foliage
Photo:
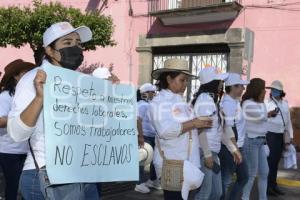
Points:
(20, 26)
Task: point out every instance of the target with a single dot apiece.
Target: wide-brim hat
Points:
(192, 178)
(60, 29)
(145, 154)
(173, 65)
(15, 67)
(276, 85)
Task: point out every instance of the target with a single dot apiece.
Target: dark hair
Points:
(211, 87)
(9, 85)
(44, 55)
(162, 82)
(138, 95)
(254, 89)
(228, 89)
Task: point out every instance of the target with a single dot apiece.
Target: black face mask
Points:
(71, 57)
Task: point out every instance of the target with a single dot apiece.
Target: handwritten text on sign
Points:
(90, 128)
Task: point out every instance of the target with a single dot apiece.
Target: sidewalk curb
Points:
(288, 182)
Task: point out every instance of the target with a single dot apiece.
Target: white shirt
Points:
(143, 108)
(275, 124)
(206, 107)
(167, 113)
(256, 117)
(25, 93)
(234, 117)
(7, 145)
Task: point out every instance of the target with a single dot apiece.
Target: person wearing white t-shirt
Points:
(234, 122)
(173, 119)
(12, 154)
(147, 134)
(206, 104)
(280, 133)
(256, 116)
(62, 45)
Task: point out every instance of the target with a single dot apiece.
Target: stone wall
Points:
(234, 38)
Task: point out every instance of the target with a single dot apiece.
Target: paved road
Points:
(292, 193)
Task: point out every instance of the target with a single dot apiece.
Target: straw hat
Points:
(192, 178)
(145, 154)
(173, 65)
(276, 85)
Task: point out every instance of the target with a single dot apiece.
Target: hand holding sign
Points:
(90, 128)
(39, 81)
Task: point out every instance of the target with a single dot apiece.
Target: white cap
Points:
(235, 79)
(101, 72)
(147, 87)
(61, 29)
(192, 178)
(209, 74)
(145, 154)
(276, 85)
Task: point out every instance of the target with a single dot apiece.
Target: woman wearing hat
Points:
(173, 119)
(234, 122)
(280, 131)
(206, 104)
(146, 134)
(62, 44)
(256, 116)
(12, 154)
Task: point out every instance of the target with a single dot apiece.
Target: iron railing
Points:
(197, 61)
(165, 5)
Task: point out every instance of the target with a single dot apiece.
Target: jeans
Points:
(151, 141)
(257, 165)
(30, 185)
(276, 146)
(12, 165)
(31, 188)
(211, 188)
(228, 168)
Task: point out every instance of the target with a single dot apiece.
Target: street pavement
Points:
(289, 182)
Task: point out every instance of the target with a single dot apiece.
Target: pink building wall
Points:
(276, 45)
(127, 29)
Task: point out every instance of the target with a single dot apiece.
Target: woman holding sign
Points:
(177, 137)
(63, 48)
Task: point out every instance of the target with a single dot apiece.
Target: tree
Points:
(26, 25)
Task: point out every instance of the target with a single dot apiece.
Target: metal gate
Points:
(197, 61)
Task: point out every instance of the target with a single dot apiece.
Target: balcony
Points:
(175, 12)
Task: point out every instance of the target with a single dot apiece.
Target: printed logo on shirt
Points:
(218, 71)
(176, 111)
